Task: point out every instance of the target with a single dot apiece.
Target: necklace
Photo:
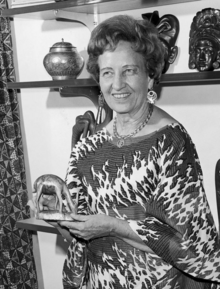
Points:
(121, 141)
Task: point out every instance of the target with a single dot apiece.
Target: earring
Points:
(101, 102)
(151, 96)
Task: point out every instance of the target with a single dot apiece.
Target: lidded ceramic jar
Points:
(63, 61)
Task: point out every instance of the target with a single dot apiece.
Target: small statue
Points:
(49, 193)
(168, 28)
(88, 124)
(204, 40)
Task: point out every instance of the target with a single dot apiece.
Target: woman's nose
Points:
(118, 82)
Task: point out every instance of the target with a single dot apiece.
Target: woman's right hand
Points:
(64, 232)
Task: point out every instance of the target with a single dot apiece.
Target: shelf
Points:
(190, 78)
(67, 88)
(70, 86)
(54, 83)
(88, 6)
(33, 224)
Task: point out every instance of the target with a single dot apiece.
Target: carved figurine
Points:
(204, 40)
(49, 193)
(87, 124)
(168, 28)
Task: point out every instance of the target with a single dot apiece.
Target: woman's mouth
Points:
(120, 95)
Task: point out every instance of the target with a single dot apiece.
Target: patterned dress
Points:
(154, 182)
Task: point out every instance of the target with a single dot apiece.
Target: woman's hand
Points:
(89, 226)
(94, 226)
(65, 233)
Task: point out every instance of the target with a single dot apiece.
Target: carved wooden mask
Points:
(204, 40)
(168, 28)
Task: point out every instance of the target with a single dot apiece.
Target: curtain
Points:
(17, 267)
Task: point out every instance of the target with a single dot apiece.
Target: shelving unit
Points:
(90, 6)
(88, 87)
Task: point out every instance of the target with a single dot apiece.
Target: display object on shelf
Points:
(168, 28)
(47, 203)
(63, 61)
(204, 40)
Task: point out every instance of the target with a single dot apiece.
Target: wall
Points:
(47, 118)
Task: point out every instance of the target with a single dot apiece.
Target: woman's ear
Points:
(150, 83)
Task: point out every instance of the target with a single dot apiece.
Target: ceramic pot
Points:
(63, 61)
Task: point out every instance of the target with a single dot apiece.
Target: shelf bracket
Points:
(88, 20)
(91, 93)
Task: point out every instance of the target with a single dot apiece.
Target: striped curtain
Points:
(17, 267)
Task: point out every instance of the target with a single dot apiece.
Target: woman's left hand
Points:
(89, 226)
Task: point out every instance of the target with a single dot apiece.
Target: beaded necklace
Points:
(121, 141)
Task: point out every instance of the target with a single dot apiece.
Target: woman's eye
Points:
(107, 74)
(130, 71)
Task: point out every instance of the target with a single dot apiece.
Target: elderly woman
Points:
(143, 219)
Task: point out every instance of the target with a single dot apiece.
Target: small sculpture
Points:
(63, 61)
(204, 40)
(49, 194)
(168, 28)
(87, 124)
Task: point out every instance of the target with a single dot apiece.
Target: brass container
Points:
(63, 61)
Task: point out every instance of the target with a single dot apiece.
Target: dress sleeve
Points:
(74, 180)
(75, 265)
(178, 225)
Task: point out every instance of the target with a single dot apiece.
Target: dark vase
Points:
(63, 61)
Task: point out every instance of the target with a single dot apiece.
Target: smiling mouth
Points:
(120, 95)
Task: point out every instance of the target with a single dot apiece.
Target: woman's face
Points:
(123, 79)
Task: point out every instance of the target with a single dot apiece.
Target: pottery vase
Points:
(63, 61)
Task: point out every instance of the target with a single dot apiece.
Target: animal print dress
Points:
(156, 184)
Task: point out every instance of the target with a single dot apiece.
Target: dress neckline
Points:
(137, 139)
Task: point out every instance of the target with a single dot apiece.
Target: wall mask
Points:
(168, 28)
(204, 40)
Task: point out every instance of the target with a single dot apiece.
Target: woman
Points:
(143, 219)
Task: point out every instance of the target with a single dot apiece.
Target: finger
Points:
(74, 232)
(79, 218)
(68, 224)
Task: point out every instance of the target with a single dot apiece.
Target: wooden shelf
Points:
(88, 6)
(53, 83)
(190, 78)
(33, 224)
(172, 79)
(67, 88)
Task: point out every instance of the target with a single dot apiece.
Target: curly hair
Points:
(142, 35)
